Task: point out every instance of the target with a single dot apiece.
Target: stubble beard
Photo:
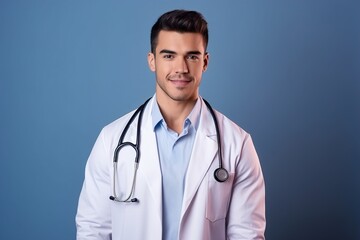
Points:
(181, 96)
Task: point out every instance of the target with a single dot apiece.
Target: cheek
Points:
(163, 68)
(197, 70)
(161, 72)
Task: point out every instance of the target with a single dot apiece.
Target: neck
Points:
(175, 112)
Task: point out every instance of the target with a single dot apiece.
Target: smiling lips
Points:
(180, 81)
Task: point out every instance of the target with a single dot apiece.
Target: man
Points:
(175, 191)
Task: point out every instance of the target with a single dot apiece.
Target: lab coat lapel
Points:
(203, 154)
(149, 159)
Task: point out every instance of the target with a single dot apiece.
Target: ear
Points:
(206, 61)
(151, 61)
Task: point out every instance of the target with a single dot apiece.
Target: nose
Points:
(181, 66)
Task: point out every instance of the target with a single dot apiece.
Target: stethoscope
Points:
(220, 174)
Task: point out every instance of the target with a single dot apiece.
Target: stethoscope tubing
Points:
(220, 174)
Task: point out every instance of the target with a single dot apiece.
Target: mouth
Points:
(180, 81)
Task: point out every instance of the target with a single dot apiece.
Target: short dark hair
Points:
(180, 21)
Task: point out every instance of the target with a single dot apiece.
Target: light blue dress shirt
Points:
(174, 154)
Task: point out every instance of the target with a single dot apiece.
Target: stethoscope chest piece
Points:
(221, 174)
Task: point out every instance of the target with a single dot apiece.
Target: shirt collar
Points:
(193, 117)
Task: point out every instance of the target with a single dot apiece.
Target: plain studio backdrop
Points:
(288, 72)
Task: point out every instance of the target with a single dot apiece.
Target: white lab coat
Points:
(234, 209)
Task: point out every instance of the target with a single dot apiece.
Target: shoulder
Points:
(228, 128)
(110, 133)
(114, 129)
(119, 123)
(231, 129)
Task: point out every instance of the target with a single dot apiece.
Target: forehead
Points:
(178, 42)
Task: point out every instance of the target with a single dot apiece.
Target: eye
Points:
(193, 57)
(168, 56)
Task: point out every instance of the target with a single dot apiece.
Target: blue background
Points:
(288, 72)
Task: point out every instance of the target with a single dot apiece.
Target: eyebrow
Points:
(166, 51)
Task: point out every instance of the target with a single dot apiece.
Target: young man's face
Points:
(178, 63)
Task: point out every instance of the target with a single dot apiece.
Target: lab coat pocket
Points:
(218, 198)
